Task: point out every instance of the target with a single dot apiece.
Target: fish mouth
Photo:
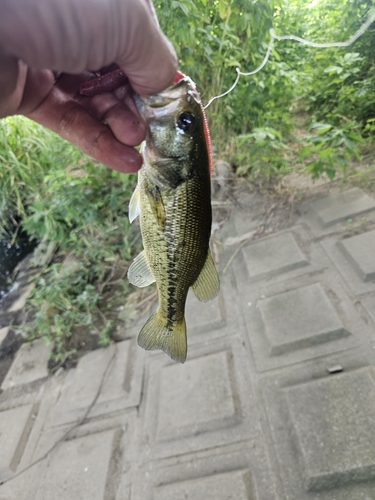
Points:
(157, 106)
(166, 102)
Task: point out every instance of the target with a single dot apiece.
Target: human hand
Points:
(73, 37)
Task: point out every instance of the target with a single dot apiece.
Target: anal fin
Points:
(207, 285)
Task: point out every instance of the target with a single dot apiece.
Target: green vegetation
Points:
(63, 196)
(334, 88)
(309, 108)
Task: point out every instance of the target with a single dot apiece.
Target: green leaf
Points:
(331, 172)
(224, 9)
(325, 154)
(334, 69)
(321, 128)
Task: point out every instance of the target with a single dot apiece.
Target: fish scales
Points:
(173, 253)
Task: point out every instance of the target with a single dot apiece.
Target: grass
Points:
(63, 196)
(28, 152)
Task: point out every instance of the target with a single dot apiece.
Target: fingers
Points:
(116, 110)
(73, 122)
(125, 125)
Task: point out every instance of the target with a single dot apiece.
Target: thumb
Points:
(148, 59)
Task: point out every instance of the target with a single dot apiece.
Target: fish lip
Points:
(150, 112)
(165, 102)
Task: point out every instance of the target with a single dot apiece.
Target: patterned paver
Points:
(30, 364)
(342, 206)
(291, 320)
(358, 251)
(276, 400)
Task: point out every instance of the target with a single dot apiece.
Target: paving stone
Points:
(274, 255)
(334, 421)
(244, 223)
(121, 388)
(3, 333)
(248, 297)
(341, 206)
(237, 485)
(202, 317)
(288, 255)
(244, 457)
(369, 305)
(78, 469)
(244, 463)
(29, 365)
(43, 399)
(300, 318)
(14, 431)
(23, 487)
(346, 268)
(360, 250)
(303, 461)
(203, 404)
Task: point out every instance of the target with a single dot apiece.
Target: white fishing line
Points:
(227, 92)
(239, 73)
(349, 42)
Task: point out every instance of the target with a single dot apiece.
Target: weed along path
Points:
(283, 359)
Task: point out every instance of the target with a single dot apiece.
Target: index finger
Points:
(74, 123)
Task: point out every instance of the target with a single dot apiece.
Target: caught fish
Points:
(173, 201)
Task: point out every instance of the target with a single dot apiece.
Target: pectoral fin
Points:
(135, 204)
(207, 285)
(139, 273)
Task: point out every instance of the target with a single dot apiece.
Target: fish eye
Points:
(186, 122)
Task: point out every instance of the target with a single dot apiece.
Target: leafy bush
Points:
(335, 86)
(64, 197)
(261, 154)
(211, 39)
(330, 148)
(89, 292)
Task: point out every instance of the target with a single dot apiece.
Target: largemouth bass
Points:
(172, 198)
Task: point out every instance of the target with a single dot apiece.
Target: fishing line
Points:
(349, 42)
(239, 73)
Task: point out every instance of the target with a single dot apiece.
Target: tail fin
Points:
(156, 334)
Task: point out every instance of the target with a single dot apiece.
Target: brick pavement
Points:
(276, 400)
